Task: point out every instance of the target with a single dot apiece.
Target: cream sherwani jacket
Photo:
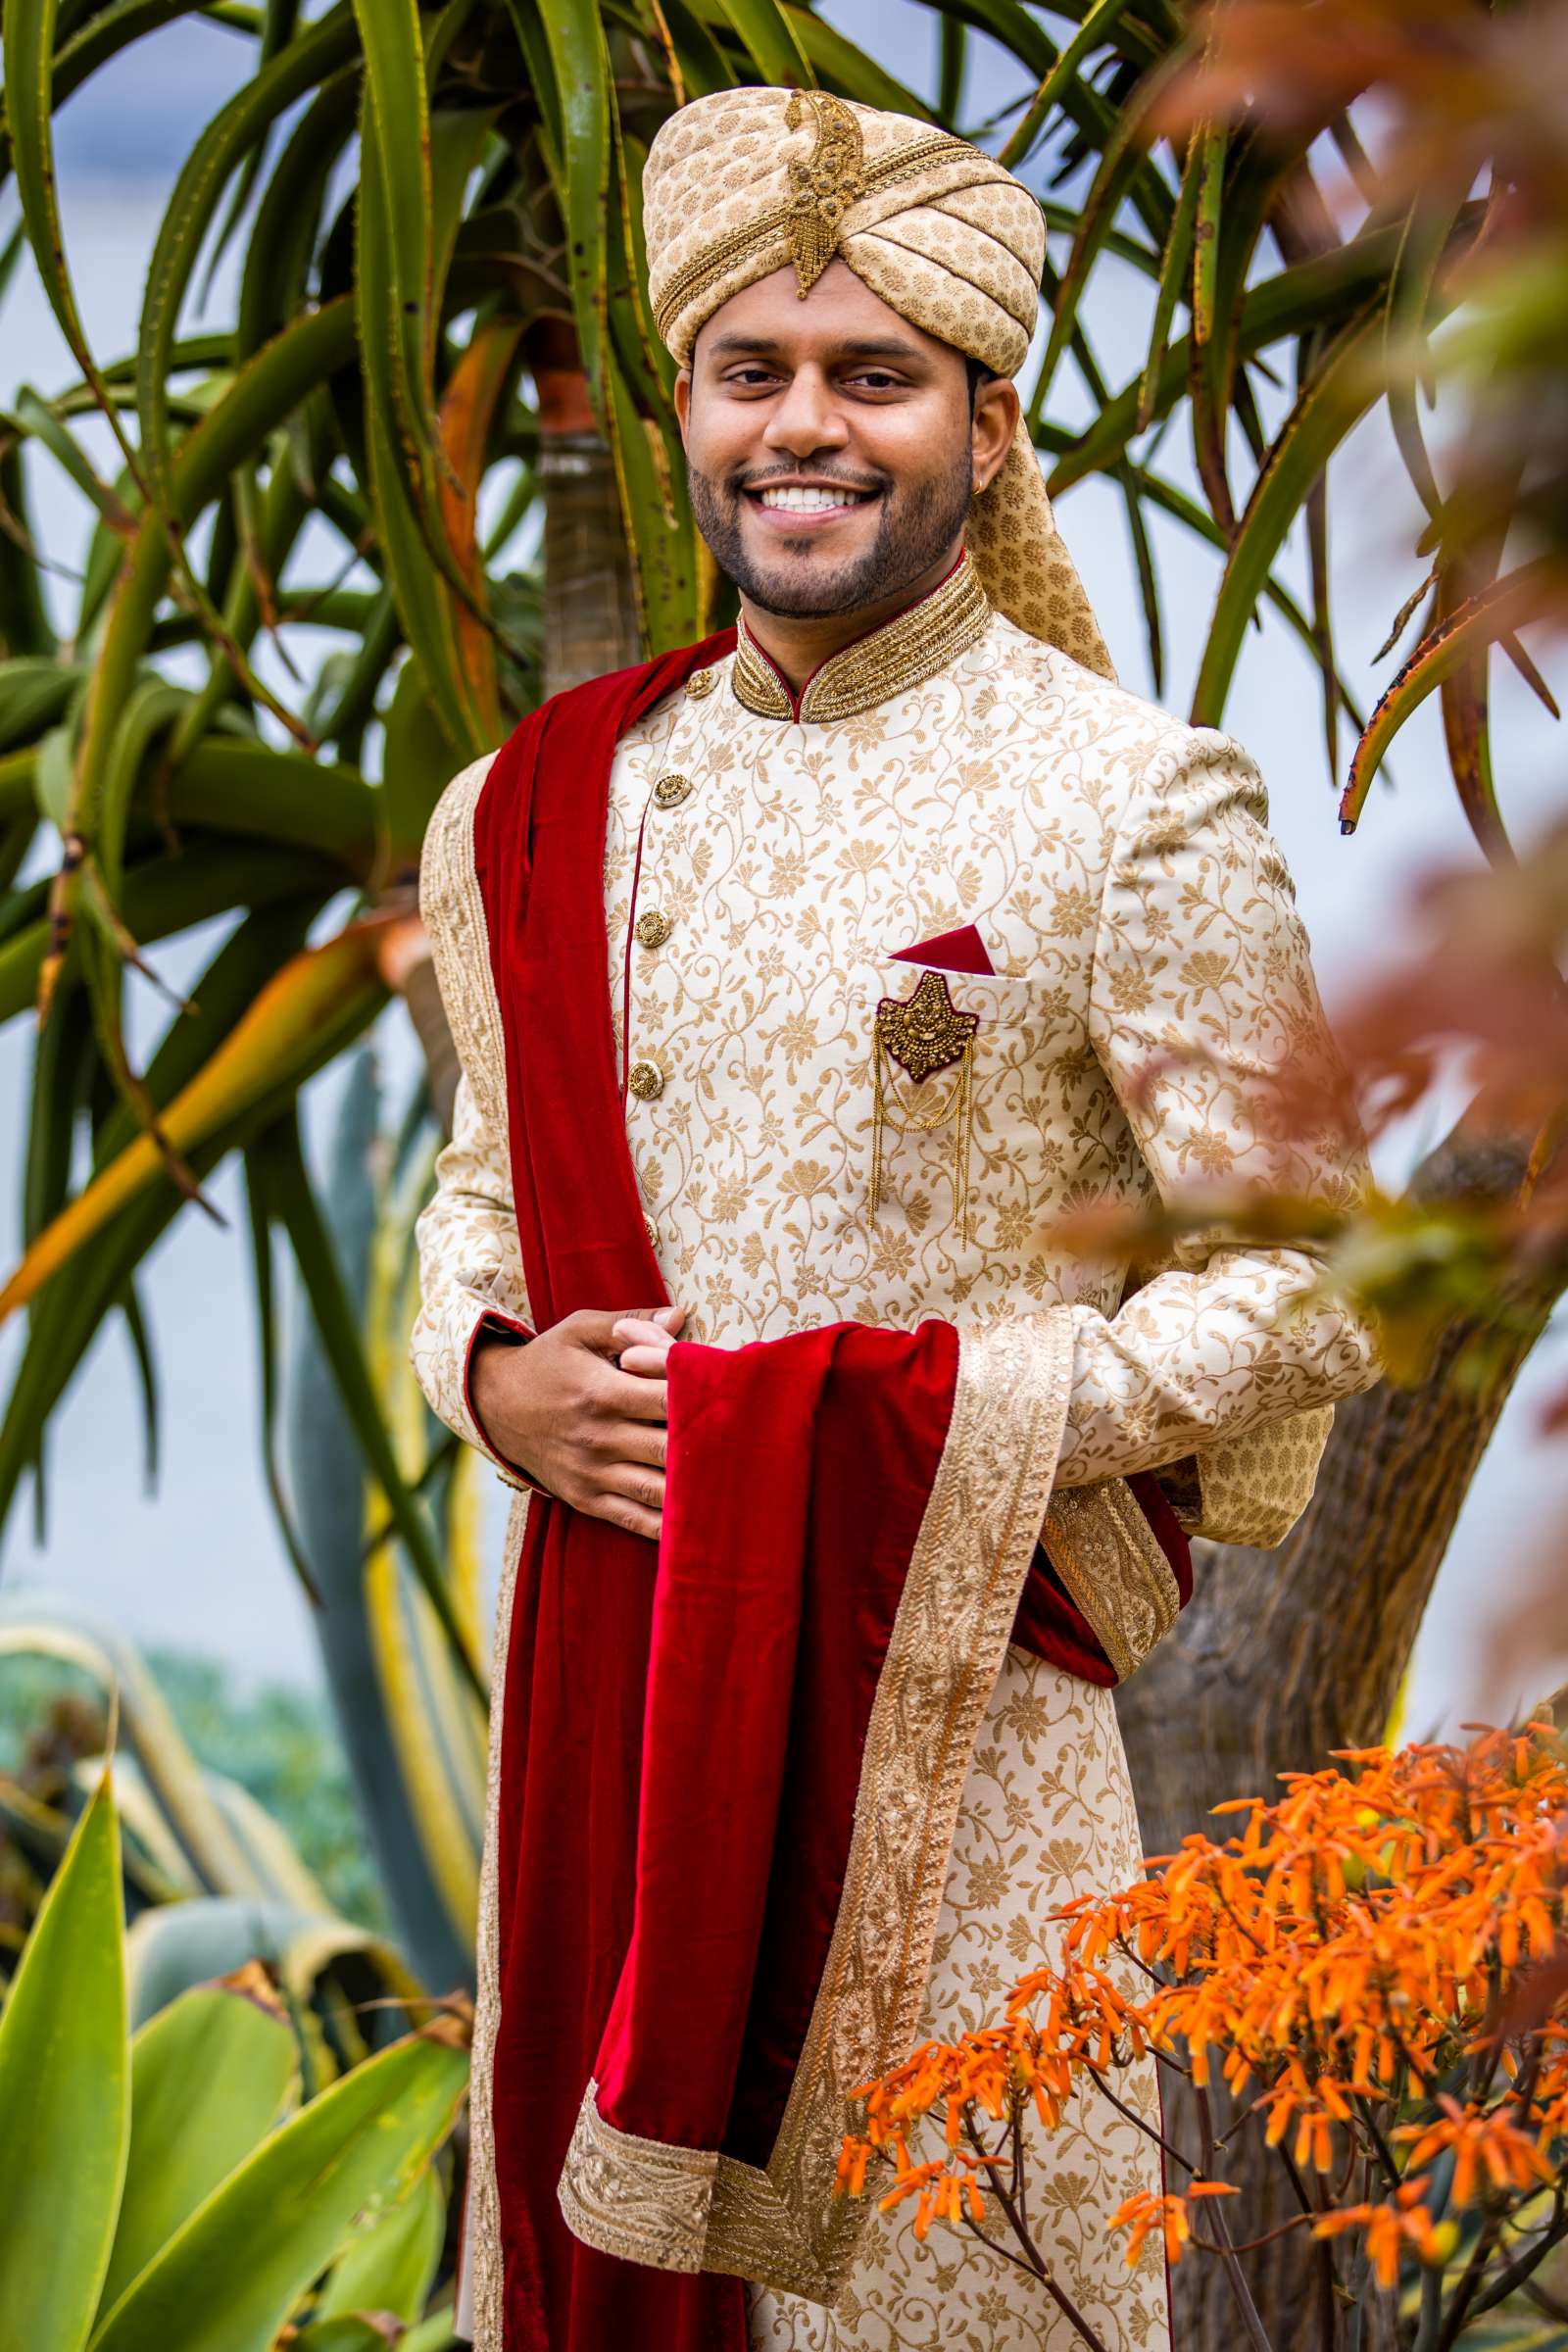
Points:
(767, 859)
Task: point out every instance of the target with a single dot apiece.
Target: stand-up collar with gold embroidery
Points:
(906, 650)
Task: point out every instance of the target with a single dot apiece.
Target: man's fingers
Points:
(638, 1483)
(639, 1441)
(632, 1516)
(641, 1331)
(643, 1363)
(638, 1397)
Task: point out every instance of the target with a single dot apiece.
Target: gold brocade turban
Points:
(743, 182)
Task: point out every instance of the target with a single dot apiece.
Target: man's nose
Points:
(807, 419)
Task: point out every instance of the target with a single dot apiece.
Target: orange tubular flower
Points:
(1395, 1920)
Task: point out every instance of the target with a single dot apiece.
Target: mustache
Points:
(824, 474)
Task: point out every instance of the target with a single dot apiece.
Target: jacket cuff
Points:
(493, 1321)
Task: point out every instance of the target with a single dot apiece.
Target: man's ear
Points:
(997, 408)
(683, 401)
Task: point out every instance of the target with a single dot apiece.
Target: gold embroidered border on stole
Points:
(784, 2226)
(453, 908)
(1108, 1556)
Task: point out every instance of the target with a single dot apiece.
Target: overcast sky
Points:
(200, 1564)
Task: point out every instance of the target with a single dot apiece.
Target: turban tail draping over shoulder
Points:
(724, 1770)
(748, 181)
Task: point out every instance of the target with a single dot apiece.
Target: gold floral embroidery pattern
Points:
(905, 652)
(639, 2198)
(1104, 1551)
(786, 2227)
(1046, 1810)
(1087, 834)
(459, 942)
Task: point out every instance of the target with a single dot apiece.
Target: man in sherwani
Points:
(911, 931)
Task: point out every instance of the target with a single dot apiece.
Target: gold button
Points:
(700, 682)
(654, 928)
(645, 1080)
(672, 790)
(652, 1230)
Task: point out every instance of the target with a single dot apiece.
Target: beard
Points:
(914, 530)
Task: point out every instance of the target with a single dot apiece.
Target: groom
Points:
(801, 982)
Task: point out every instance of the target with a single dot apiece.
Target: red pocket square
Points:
(950, 951)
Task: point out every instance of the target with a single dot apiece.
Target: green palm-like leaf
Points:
(209, 2076)
(229, 2279)
(64, 2095)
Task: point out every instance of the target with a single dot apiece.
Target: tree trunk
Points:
(1283, 1656)
(590, 602)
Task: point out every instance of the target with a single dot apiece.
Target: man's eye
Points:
(876, 379)
(751, 375)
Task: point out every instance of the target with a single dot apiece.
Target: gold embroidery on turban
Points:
(743, 182)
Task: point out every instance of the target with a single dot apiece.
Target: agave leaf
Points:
(1340, 393)
(53, 1626)
(1328, 291)
(64, 1323)
(230, 2279)
(576, 37)
(26, 52)
(36, 416)
(391, 2266)
(379, 1663)
(280, 26)
(210, 2076)
(25, 623)
(1098, 24)
(769, 39)
(1477, 622)
(178, 1946)
(398, 471)
(262, 394)
(232, 134)
(336, 1322)
(64, 2095)
(300, 1018)
(840, 65)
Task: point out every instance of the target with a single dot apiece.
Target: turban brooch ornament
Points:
(924, 1033)
(823, 187)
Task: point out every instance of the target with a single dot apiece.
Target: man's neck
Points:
(799, 645)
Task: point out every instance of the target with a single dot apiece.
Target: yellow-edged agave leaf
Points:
(391, 2266)
(232, 2277)
(178, 1946)
(210, 2076)
(292, 1026)
(55, 1625)
(65, 2098)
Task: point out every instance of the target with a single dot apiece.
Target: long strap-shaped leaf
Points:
(64, 2097)
(289, 1192)
(223, 145)
(230, 2279)
(301, 1017)
(1505, 605)
(1341, 393)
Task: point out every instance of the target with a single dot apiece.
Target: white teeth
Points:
(794, 500)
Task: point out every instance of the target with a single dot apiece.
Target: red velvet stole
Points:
(682, 1728)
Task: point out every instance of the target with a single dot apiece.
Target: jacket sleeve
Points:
(471, 1272)
(1218, 1371)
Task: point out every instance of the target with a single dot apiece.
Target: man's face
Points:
(830, 445)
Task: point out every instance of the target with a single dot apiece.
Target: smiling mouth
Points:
(810, 499)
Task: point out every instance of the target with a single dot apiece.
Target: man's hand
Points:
(591, 1430)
